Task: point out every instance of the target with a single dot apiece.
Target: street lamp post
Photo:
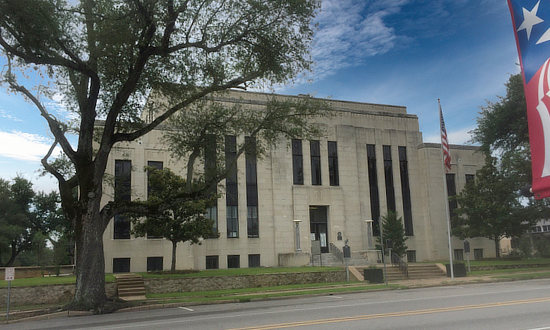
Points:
(297, 234)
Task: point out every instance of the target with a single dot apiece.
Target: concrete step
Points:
(130, 287)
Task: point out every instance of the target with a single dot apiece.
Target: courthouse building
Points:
(372, 160)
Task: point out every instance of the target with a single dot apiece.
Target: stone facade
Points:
(403, 165)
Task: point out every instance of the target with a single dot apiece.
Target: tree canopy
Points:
(106, 56)
(26, 218)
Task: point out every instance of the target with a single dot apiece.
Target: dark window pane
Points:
(451, 191)
(388, 174)
(233, 261)
(297, 162)
(373, 188)
(333, 163)
(150, 191)
(232, 221)
(253, 227)
(478, 254)
(212, 262)
(155, 264)
(315, 163)
(123, 183)
(121, 227)
(470, 178)
(231, 187)
(411, 255)
(253, 260)
(405, 191)
(121, 265)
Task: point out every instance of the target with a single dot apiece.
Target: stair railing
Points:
(397, 261)
(336, 252)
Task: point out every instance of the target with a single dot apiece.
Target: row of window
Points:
(233, 261)
(315, 155)
(539, 229)
(122, 265)
(459, 254)
(389, 183)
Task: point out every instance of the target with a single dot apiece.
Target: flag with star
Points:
(531, 22)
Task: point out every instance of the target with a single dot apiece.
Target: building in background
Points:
(371, 160)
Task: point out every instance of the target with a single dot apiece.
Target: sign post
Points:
(9, 275)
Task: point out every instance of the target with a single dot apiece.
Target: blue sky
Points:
(400, 52)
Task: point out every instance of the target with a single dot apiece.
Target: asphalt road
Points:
(505, 305)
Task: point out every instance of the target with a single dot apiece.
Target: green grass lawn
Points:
(530, 261)
(50, 280)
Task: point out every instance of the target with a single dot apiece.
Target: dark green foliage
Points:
(27, 219)
(489, 207)
(393, 229)
(172, 211)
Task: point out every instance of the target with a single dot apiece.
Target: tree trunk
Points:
(497, 247)
(90, 261)
(173, 266)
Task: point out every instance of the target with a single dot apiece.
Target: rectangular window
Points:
(478, 254)
(411, 255)
(231, 188)
(470, 178)
(451, 191)
(253, 260)
(210, 167)
(159, 166)
(156, 165)
(233, 261)
(388, 174)
(405, 191)
(459, 254)
(333, 163)
(155, 264)
(121, 265)
(297, 162)
(253, 228)
(123, 192)
(373, 188)
(212, 262)
(315, 149)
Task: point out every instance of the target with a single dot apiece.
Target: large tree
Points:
(105, 57)
(489, 207)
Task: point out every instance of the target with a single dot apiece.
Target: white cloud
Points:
(350, 31)
(461, 136)
(5, 115)
(24, 146)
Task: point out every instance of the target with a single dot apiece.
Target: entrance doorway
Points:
(318, 226)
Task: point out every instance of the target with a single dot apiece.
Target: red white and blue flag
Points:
(444, 141)
(531, 20)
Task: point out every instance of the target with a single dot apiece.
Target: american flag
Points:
(444, 141)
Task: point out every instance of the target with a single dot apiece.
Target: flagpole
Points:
(446, 194)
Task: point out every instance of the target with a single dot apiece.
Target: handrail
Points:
(336, 252)
(396, 260)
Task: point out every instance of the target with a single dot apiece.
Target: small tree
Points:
(172, 211)
(392, 227)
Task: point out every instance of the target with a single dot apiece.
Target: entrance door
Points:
(318, 226)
